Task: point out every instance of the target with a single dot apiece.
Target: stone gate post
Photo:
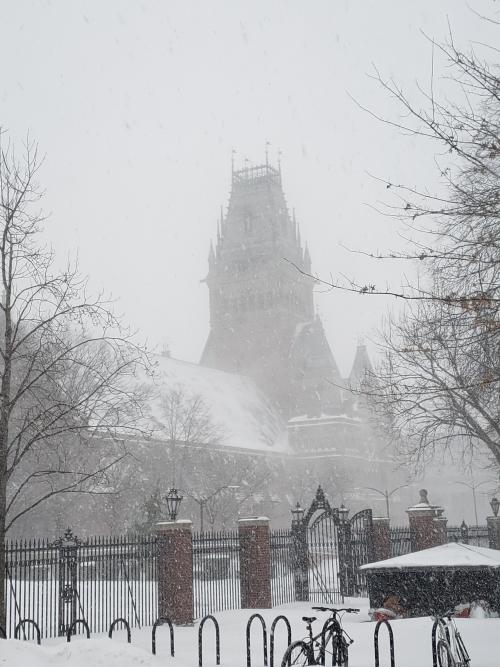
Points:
(255, 563)
(493, 523)
(427, 525)
(381, 538)
(175, 571)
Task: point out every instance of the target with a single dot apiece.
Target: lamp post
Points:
(203, 500)
(297, 515)
(473, 488)
(387, 494)
(173, 500)
(495, 505)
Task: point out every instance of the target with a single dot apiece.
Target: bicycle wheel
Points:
(445, 654)
(298, 654)
(339, 652)
(343, 655)
(461, 650)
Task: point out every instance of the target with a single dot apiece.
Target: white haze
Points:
(138, 106)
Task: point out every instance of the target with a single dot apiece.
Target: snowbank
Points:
(412, 638)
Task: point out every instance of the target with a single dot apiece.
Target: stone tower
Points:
(262, 321)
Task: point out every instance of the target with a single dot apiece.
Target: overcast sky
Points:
(138, 105)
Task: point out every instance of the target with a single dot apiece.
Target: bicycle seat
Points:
(309, 619)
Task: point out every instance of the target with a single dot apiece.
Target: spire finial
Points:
(279, 161)
(267, 153)
(233, 153)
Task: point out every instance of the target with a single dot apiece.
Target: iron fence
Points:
(216, 572)
(98, 579)
(477, 536)
(400, 541)
(282, 573)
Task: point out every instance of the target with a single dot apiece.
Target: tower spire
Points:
(307, 260)
(233, 153)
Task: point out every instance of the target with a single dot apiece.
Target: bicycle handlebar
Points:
(349, 610)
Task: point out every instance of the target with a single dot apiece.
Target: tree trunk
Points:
(3, 600)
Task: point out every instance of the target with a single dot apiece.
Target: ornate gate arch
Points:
(328, 550)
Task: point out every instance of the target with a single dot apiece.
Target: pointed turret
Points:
(211, 255)
(361, 366)
(307, 260)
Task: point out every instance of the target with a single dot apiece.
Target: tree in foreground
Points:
(438, 386)
(67, 399)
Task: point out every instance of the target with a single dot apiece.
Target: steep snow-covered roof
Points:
(453, 554)
(236, 405)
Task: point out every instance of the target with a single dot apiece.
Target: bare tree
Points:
(66, 365)
(438, 384)
(185, 420)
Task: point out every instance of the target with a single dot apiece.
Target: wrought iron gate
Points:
(329, 549)
(67, 546)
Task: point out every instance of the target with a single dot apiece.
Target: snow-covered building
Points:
(263, 324)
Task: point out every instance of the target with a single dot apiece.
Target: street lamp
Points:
(473, 488)
(297, 515)
(495, 505)
(202, 500)
(387, 494)
(343, 513)
(173, 500)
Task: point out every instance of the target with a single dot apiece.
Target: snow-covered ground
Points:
(412, 643)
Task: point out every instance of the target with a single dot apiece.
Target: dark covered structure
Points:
(433, 581)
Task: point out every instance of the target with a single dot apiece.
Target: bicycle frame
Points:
(445, 636)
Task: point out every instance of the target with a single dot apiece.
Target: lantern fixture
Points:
(495, 505)
(297, 514)
(173, 500)
(343, 513)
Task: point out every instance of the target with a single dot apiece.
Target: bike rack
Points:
(21, 624)
(437, 622)
(271, 636)
(127, 627)
(160, 621)
(217, 639)
(391, 642)
(264, 638)
(79, 621)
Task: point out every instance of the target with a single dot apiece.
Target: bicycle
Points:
(312, 650)
(448, 646)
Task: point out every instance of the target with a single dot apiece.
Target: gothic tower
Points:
(262, 321)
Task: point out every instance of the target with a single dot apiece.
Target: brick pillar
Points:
(175, 571)
(493, 523)
(381, 538)
(427, 525)
(440, 527)
(255, 563)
